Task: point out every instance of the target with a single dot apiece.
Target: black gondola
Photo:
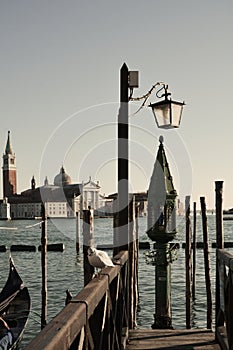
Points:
(15, 305)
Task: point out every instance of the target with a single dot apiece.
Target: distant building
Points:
(5, 210)
(62, 199)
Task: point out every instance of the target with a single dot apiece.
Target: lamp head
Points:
(167, 112)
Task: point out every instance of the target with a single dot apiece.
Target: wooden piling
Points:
(44, 267)
(219, 316)
(188, 262)
(136, 260)
(194, 251)
(133, 262)
(206, 263)
(219, 214)
(77, 232)
(88, 241)
(116, 240)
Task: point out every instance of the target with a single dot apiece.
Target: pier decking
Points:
(167, 339)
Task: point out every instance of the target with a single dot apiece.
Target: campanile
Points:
(9, 170)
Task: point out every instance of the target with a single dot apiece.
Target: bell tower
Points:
(9, 170)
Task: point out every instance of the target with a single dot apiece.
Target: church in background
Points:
(62, 199)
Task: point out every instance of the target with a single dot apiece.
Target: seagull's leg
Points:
(95, 272)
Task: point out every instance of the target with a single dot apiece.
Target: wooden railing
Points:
(224, 299)
(94, 319)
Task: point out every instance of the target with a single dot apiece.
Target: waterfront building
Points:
(5, 210)
(62, 199)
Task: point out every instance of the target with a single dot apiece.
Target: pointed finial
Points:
(8, 149)
(124, 66)
(161, 139)
(46, 182)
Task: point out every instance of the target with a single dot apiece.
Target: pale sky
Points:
(60, 63)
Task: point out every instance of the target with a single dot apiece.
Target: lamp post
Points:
(121, 224)
(167, 114)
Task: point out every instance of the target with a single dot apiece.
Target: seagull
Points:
(98, 258)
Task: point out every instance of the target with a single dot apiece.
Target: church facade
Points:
(62, 199)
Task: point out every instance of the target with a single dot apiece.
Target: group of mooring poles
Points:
(190, 262)
(190, 259)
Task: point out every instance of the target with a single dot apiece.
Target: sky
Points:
(59, 88)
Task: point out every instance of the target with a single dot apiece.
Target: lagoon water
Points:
(65, 271)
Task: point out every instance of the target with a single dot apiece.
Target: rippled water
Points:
(66, 272)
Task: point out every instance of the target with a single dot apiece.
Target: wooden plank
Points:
(185, 339)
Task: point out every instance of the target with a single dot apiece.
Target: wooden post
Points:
(116, 243)
(43, 267)
(136, 260)
(219, 316)
(206, 263)
(219, 215)
(188, 262)
(88, 241)
(133, 257)
(77, 232)
(194, 251)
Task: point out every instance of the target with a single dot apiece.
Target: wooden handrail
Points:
(224, 330)
(78, 322)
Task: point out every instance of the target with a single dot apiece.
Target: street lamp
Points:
(167, 115)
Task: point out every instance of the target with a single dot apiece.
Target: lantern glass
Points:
(167, 113)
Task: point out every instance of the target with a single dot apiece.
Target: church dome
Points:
(62, 179)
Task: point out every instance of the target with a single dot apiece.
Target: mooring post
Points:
(133, 257)
(219, 316)
(188, 262)
(206, 263)
(77, 232)
(88, 241)
(43, 267)
(219, 215)
(194, 250)
(136, 260)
